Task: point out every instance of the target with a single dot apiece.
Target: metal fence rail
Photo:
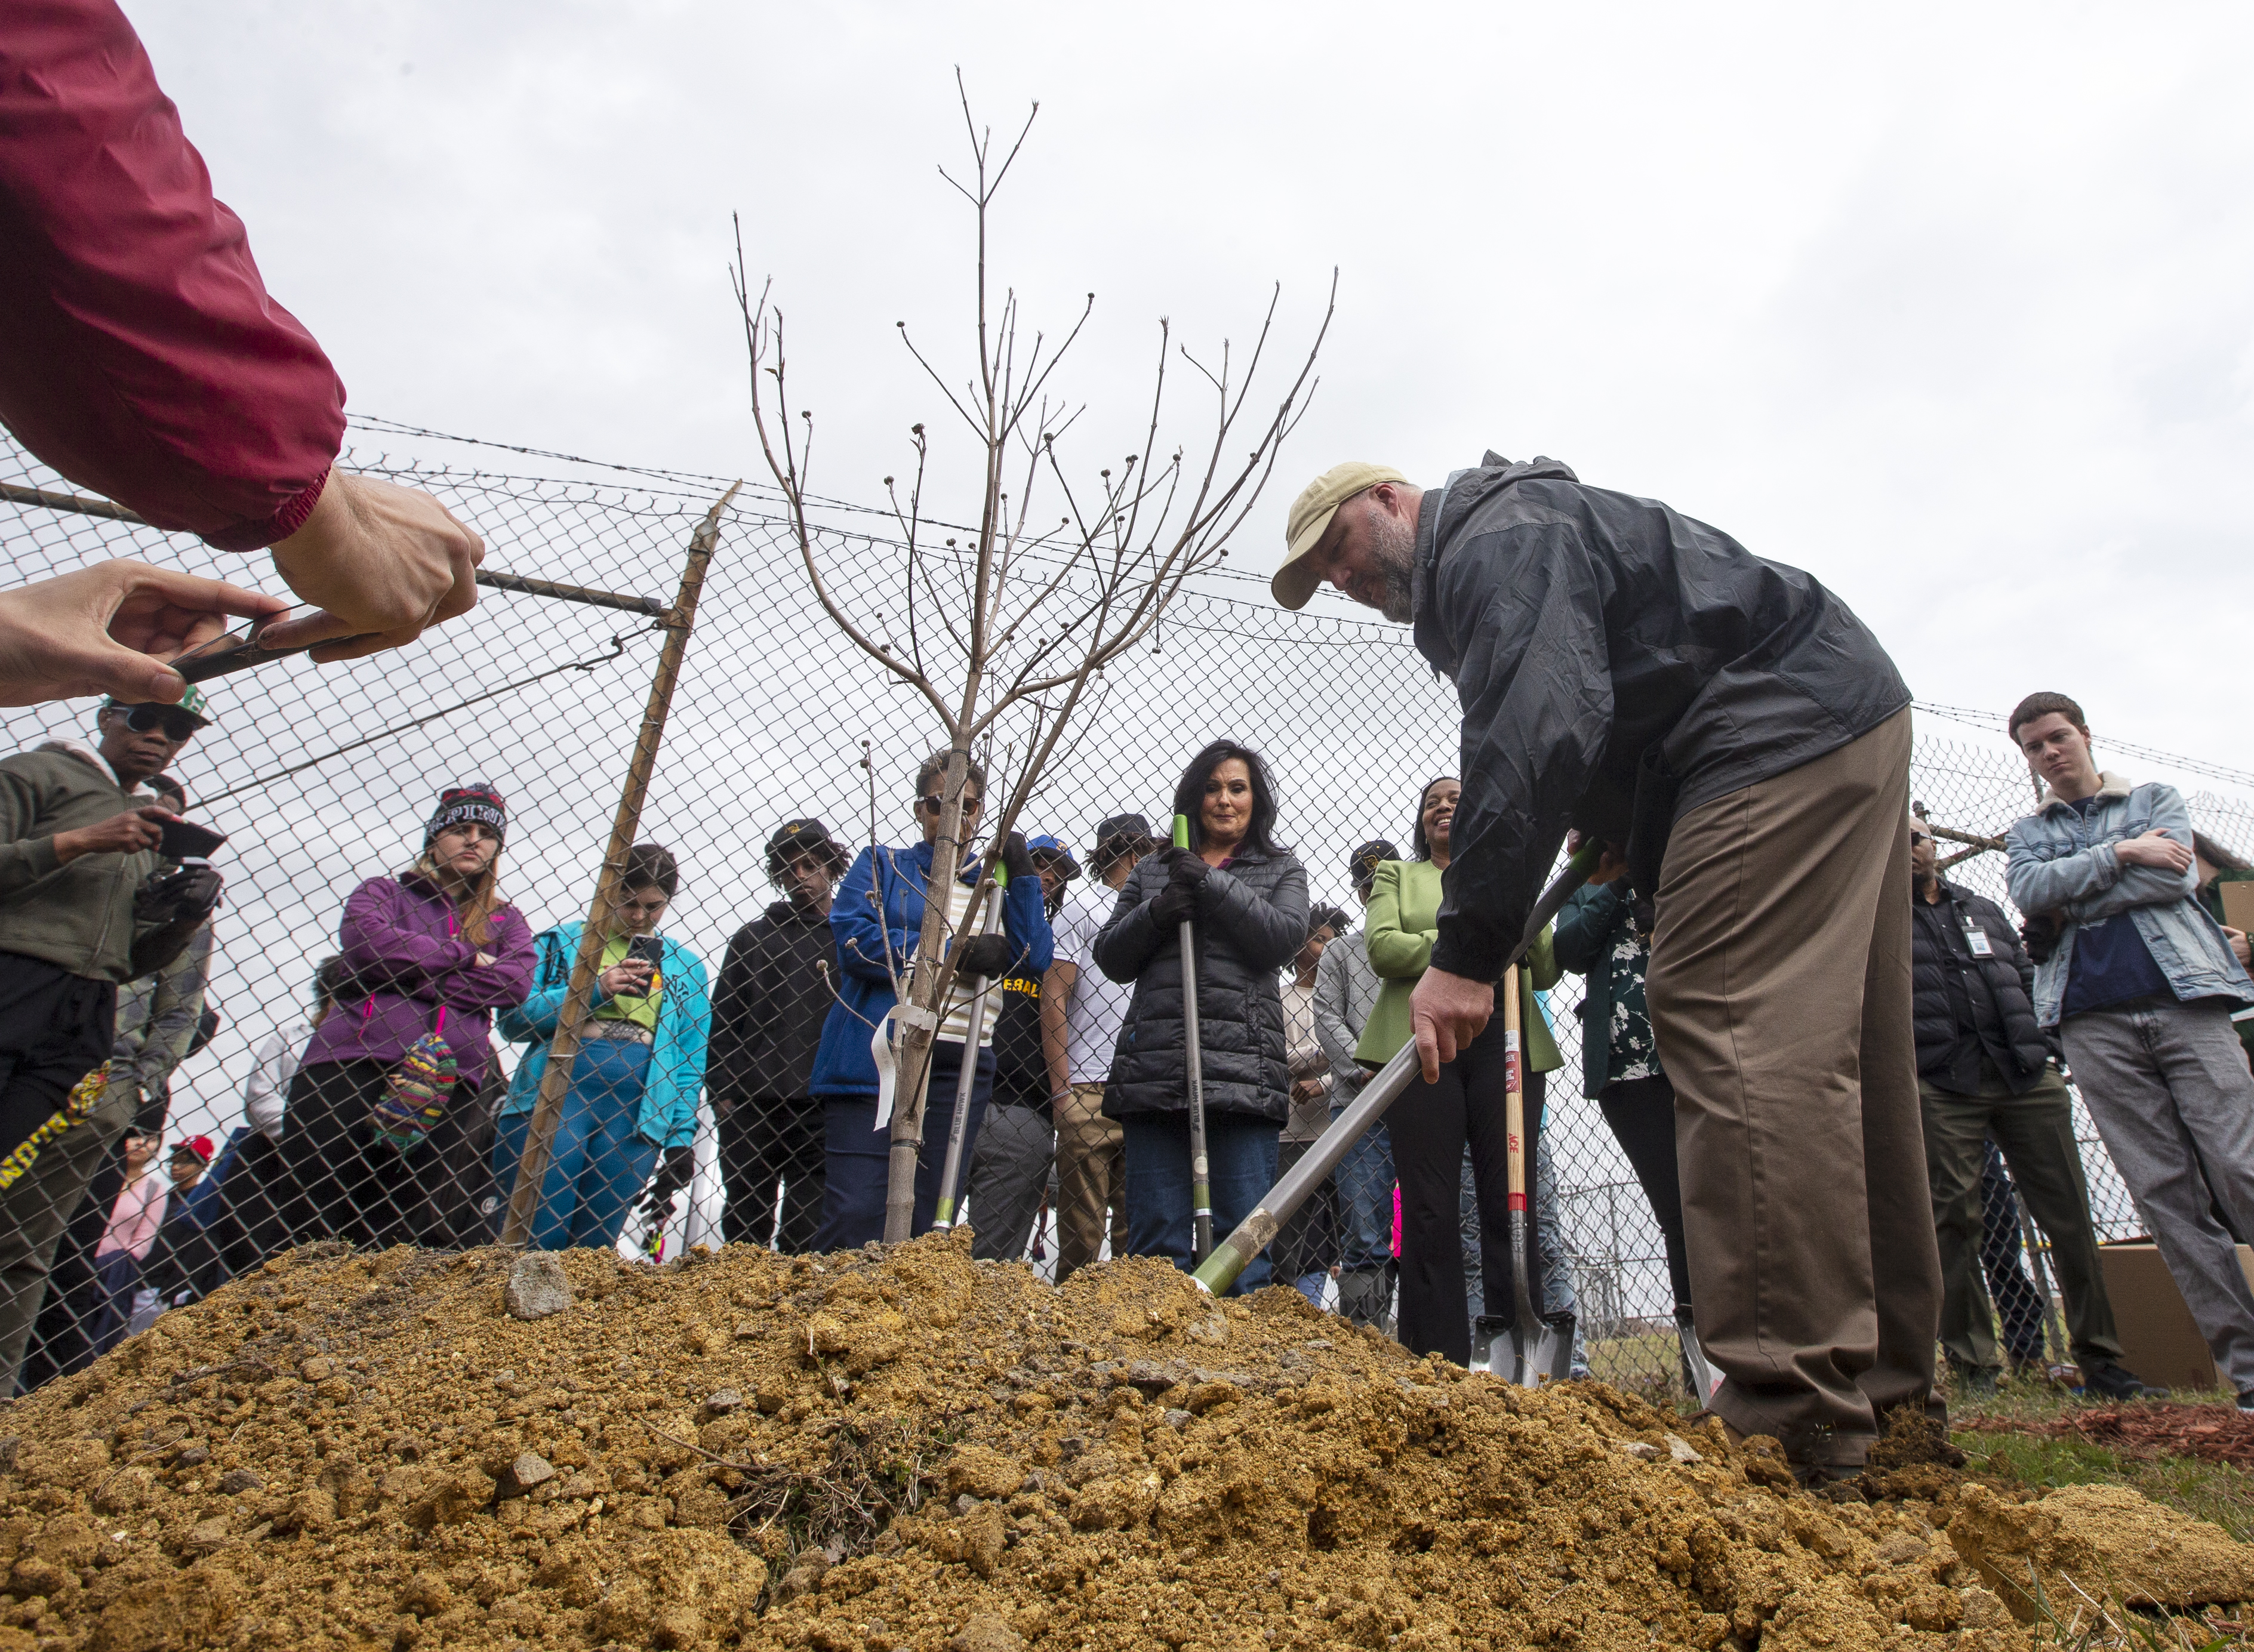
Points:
(322, 777)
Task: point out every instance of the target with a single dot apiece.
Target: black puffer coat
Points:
(1964, 1005)
(1587, 631)
(1251, 921)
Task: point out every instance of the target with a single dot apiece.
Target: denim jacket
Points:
(2063, 863)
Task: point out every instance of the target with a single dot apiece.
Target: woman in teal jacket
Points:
(1431, 1123)
(640, 1065)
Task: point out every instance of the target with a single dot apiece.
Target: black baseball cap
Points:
(1124, 828)
(1363, 862)
(805, 837)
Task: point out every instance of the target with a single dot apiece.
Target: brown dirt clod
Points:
(935, 1454)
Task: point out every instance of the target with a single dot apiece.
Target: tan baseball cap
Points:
(1296, 580)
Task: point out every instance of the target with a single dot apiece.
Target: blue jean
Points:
(856, 1156)
(599, 1163)
(1364, 1181)
(1241, 1159)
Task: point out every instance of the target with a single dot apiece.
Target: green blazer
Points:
(1402, 923)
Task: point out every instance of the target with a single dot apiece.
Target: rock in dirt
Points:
(986, 1633)
(2106, 1541)
(526, 1471)
(537, 1286)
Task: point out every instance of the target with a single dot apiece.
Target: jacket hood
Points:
(1446, 508)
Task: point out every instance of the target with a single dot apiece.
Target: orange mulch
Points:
(2218, 1433)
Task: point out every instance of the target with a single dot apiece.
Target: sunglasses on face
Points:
(178, 724)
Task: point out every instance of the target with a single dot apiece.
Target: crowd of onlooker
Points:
(386, 1115)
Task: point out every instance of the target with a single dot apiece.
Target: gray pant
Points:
(2168, 1087)
(1009, 1171)
(35, 1211)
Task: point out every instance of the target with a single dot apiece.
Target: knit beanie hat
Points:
(460, 805)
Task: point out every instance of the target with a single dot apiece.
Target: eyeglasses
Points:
(970, 805)
(178, 724)
(1920, 837)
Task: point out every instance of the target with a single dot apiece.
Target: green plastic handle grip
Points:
(1181, 831)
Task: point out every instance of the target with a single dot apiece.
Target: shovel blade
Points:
(1526, 1357)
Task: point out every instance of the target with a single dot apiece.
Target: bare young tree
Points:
(1026, 614)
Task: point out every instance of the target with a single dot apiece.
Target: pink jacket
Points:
(140, 354)
(136, 1217)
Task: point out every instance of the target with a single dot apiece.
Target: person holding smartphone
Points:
(630, 1107)
(88, 903)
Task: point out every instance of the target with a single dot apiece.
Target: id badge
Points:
(1977, 938)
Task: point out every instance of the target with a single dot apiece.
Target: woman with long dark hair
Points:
(1247, 896)
(427, 956)
(1432, 1122)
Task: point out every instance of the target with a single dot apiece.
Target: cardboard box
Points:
(2237, 903)
(2159, 1341)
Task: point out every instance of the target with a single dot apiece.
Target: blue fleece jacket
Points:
(878, 914)
(677, 1057)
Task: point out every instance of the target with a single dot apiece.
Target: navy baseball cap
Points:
(1048, 845)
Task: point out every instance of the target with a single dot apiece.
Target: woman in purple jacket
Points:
(432, 950)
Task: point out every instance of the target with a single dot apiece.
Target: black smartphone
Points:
(185, 840)
(236, 651)
(648, 950)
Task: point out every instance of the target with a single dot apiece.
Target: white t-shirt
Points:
(266, 1095)
(1098, 1008)
(955, 1023)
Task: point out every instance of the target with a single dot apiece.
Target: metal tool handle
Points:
(1252, 1236)
(1193, 1065)
(943, 1213)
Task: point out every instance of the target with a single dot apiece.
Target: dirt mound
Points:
(2095, 1543)
(872, 1453)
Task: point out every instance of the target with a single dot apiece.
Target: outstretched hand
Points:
(1447, 1011)
(381, 562)
(108, 629)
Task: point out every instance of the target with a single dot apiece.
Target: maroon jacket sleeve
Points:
(140, 354)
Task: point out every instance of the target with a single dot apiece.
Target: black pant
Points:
(334, 1179)
(55, 1028)
(1430, 1124)
(765, 1141)
(2017, 1304)
(1640, 1112)
(1308, 1243)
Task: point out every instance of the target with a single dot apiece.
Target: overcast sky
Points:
(1948, 305)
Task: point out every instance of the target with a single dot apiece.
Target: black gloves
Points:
(185, 896)
(1174, 903)
(1185, 867)
(674, 1172)
(984, 955)
(2039, 935)
(1017, 860)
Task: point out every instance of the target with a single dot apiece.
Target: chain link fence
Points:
(322, 779)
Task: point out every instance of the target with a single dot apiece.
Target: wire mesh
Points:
(322, 779)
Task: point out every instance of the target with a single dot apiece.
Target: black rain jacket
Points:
(1585, 629)
(774, 995)
(1965, 1007)
(1251, 921)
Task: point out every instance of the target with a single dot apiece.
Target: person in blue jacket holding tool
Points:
(878, 917)
(632, 1097)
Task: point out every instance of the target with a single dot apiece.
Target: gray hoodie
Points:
(80, 916)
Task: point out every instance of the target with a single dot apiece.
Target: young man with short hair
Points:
(2141, 983)
(1985, 1074)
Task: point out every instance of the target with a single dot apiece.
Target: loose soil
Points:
(877, 1452)
(2217, 1434)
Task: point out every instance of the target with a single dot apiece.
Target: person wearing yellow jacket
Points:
(1431, 1123)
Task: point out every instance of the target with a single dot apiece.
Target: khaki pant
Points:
(1091, 1177)
(1779, 991)
(2035, 1130)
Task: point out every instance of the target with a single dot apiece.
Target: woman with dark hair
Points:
(1431, 1123)
(633, 1089)
(1247, 896)
(427, 956)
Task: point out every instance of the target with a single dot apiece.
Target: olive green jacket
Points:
(1403, 922)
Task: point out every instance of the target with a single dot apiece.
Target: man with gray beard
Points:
(1730, 727)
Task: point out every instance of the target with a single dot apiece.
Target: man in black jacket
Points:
(1984, 1072)
(1742, 737)
(775, 991)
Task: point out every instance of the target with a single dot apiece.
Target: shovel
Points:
(942, 1215)
(1528, 1348)
(1194, 1063)
(1281, 1202)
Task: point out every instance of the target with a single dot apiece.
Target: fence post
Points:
(564, 1052)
